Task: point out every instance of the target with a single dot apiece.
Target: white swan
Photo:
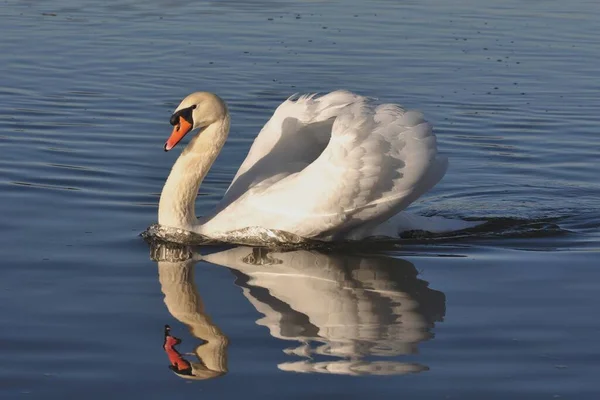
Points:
(334, 167)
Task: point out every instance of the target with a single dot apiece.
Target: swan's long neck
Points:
(177, 200)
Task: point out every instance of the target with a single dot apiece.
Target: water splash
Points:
(251, 236)
(500, 228)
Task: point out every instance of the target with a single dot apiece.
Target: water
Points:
(86, 92)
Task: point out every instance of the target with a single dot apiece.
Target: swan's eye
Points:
(186, 113)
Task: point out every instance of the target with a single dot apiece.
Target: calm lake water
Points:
(86, 92)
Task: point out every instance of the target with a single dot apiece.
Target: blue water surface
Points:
(86, 92)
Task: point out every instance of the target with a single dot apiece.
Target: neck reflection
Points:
(343, 313)
(176, 275)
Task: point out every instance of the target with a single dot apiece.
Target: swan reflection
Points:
(340, 312)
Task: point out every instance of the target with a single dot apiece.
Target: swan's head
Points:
(196, 111)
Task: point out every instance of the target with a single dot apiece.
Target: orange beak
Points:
(179, 131)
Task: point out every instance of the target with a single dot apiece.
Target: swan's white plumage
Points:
(332, 167)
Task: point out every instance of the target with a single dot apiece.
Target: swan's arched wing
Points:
(377, 161)
(294, 137)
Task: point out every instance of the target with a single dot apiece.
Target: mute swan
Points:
(334, 167)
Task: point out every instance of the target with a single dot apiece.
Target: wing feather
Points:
(294, 137)
(367, 163)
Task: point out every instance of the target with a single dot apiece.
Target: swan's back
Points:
(330, 167)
